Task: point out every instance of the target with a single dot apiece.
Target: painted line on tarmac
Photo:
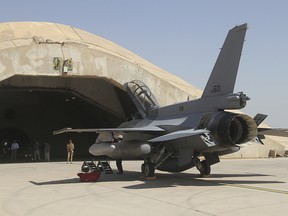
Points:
(257, 188)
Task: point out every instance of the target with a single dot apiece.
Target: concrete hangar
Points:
(54, 76)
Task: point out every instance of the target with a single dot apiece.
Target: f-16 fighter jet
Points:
(190, 134)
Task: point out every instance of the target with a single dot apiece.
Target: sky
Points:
(184, 37)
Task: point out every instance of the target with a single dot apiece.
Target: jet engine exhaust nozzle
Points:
(233, 129)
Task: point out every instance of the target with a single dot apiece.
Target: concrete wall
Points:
(253, 150)
(31, 48)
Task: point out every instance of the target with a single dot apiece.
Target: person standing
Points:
(70, 151)
(14, 149)
(47, 151)
(36, 148)
(4, 149)
(119, 166)
(116, 139)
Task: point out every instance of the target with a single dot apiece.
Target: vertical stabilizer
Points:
(223, 76)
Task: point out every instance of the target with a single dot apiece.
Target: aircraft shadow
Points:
(56, 182)
(164, 180)
(186, 179)
(129, 176)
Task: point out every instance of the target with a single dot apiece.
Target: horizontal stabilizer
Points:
(99, 130)
(283, 132)
(259, 118)
(179, 134)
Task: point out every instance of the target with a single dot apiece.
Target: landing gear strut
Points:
(148, 169)
(203, 166)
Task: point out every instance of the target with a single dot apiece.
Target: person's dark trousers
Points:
(119, 166)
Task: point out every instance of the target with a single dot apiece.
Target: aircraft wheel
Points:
(205, 168)
(149, 169)
(143, 168)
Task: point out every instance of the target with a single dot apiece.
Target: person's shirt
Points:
(70, 147)
(36, 146)
(14, 146)
(46, 147)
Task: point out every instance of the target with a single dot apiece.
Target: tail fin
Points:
(223, 76)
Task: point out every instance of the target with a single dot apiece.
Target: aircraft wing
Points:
(273, 131)
(99, 130)
(179, 134)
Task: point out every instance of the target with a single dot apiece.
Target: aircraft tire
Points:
(205, 168)
(149, 169)
(143, 168)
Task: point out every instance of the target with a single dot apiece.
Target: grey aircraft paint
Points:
(172, 138)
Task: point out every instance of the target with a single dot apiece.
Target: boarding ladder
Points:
(104, 167)
(89, 166)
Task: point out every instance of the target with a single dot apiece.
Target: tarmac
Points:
(236, 187)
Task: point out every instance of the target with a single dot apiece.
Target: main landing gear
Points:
(203, 166)
(148, 169)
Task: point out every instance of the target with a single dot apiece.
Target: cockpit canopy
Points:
(142, 96)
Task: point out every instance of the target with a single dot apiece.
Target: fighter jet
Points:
(193, 133)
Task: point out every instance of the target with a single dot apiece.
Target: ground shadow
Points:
(56, 182)
(187, 179)
(128, 176)
(163, 180)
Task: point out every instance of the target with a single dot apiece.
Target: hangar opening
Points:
(54, 76)
(33, 107)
